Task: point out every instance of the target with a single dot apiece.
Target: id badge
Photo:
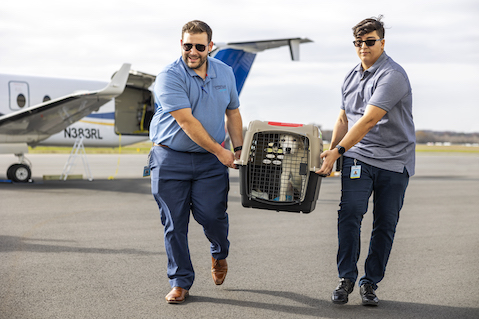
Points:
(146, 171)
(355, 171)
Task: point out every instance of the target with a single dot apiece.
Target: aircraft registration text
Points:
(88, 133)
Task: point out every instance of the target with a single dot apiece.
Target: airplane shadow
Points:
(324, 308)
(140, 186)
(23, 244)
(133, 185)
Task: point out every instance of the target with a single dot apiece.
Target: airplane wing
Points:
(38, 122)
(258, 46)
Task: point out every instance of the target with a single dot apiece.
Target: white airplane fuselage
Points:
(18, 92)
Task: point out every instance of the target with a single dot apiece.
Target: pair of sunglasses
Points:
(198, 47)
(369, 43)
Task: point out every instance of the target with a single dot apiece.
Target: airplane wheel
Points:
(19, 173)
(10, 171)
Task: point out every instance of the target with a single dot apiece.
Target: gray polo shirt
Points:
(391, 143)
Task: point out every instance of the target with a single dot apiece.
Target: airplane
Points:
(56, 112)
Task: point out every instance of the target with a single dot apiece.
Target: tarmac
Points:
(94, 249)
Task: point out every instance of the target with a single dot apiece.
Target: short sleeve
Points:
(390, 88)
(170, 91)
(234, 99)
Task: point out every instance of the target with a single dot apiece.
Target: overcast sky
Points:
(437, 42)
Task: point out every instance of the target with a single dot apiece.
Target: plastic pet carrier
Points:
(277, 166)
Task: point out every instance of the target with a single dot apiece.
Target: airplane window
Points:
(46, 98)
(21, 100)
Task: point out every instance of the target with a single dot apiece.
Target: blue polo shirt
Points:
(391, 143)
(178, 87)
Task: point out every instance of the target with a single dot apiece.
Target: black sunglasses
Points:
(189, 46)
(369, 43)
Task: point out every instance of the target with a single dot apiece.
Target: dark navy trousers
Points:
(189, 182)
(388, 189)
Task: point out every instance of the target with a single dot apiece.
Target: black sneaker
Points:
(340, 294)
(368, 296)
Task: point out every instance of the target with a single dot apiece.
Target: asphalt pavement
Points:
(81, 249)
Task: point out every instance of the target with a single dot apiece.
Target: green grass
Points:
(138, 148)
(423, 148)
(144, 148)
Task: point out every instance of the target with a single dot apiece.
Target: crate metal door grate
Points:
(278, 166)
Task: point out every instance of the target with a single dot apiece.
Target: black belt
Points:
(166, 146)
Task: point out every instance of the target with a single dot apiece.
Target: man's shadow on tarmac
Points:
(325, 308)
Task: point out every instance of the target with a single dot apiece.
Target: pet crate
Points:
(277, 166)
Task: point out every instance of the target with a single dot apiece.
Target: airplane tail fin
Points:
(240, 55)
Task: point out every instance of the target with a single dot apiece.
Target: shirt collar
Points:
(378, 63)
(382, 58)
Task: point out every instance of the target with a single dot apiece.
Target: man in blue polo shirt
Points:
(375, 132)
(189, 167)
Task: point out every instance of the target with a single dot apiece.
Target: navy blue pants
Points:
(183, 182)
(389, 189)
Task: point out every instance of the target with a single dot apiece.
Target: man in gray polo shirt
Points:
(375, 132)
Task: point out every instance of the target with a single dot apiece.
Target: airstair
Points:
(78, 150)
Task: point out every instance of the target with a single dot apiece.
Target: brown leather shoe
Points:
(219, 268)
(176, 295)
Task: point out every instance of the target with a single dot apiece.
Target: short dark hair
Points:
(195, 27)
(369, 25)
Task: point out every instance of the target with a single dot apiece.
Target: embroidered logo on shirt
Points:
(220, 88)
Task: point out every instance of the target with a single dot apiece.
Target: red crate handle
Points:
(285, 124)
